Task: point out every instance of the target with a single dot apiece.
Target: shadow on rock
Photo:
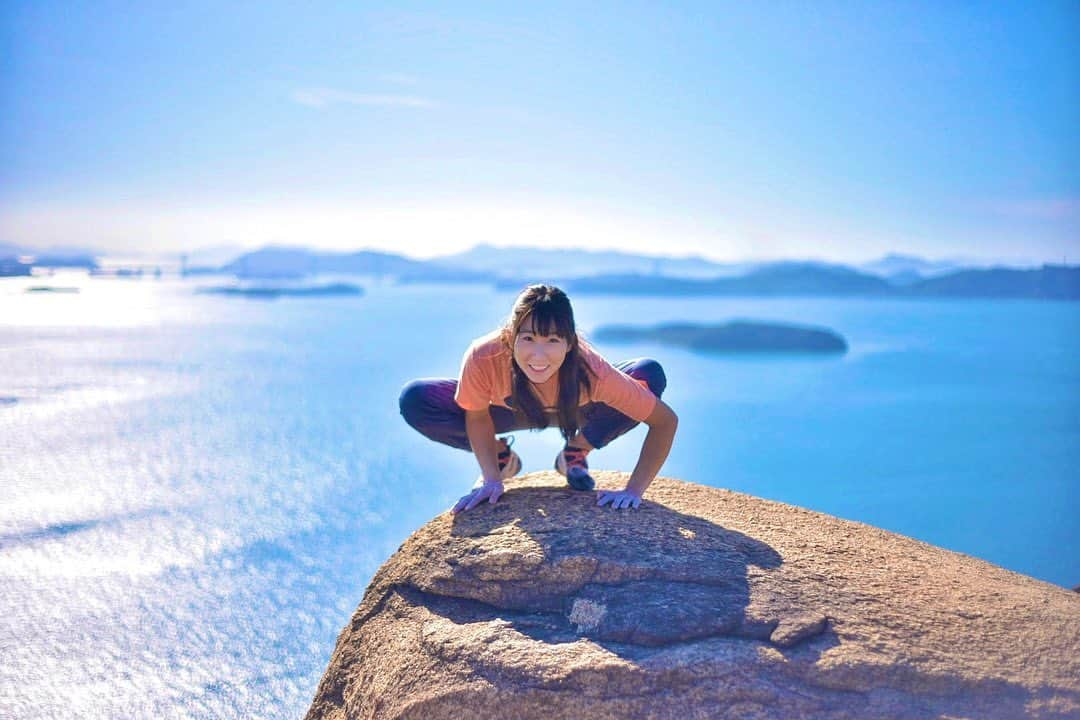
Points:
(558, 567)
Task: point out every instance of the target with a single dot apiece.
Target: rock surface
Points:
(703, 603)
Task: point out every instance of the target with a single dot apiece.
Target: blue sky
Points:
(737, 131)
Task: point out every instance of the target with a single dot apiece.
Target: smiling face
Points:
(539, 356)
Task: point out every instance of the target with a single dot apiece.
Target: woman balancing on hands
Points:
(531, 373)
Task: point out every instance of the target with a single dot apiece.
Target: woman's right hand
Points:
(489, 491)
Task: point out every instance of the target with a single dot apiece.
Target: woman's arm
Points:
(662, 423)
(480, 429)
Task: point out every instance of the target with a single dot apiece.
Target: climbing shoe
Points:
(571, 463)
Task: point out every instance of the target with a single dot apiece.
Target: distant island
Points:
(738, 336)
(51, 289)
(272, 293)
(789, 278)
(1050, 282)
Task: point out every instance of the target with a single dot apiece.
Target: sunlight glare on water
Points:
(75, 299)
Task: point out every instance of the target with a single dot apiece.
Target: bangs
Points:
(547, 318)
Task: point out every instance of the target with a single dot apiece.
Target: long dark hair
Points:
(550, 310)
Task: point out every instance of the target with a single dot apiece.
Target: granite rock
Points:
(703, 603)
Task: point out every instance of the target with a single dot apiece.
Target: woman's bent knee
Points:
(412, 400)
(652, 373)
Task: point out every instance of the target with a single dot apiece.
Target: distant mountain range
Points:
(506, 263)
(585, 272)
(10, 249)
(619, 273)
(294, 263)
(1050, 282)
(297, 263)
(18, 260)
(784, 278)
(907, 269)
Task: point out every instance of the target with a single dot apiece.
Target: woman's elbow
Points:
(663, 417)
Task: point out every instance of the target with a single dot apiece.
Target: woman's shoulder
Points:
(488, 346)
(592, 357)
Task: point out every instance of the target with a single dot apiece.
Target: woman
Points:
(533, 372)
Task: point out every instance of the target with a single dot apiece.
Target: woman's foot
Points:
(571, 463)
(509, 461)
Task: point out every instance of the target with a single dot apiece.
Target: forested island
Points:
(738, 336)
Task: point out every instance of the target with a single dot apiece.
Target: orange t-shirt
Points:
(485, 380)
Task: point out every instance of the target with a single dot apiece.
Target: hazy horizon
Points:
(231, 252)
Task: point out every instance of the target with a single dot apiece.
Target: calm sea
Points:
(195, 489)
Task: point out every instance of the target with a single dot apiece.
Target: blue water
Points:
(195, 490)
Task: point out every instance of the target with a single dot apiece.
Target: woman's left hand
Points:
(618, 498)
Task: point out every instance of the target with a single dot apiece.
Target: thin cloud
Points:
(325, 97)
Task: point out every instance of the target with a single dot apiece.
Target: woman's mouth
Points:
(542, 368)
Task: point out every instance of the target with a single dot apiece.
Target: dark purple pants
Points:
(428, 405)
